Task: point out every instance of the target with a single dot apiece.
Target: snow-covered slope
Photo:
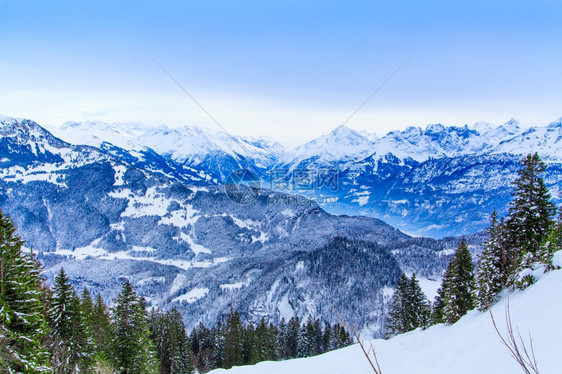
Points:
(94, 133)
(342, 146)
(469, 346)
(186, 145)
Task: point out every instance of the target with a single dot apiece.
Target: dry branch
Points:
(523, 355)
(375, 365)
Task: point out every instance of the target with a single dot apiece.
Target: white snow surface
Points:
(192, 296)
(469, 346)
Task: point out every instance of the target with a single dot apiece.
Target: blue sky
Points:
(291, 70)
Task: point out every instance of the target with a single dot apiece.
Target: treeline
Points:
(230, 343)
(527, 237)
(55, 330)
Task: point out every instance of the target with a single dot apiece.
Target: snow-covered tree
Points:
(458, 285)
(553, 243)
(531, 211)
(22, 321)
(497, 263)
(71, 343)
(409, 307)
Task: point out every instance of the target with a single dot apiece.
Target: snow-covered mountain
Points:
(438, 180)
(342, 146)
(469, 346)
(164, 222)
(216, 153)
(106, 214)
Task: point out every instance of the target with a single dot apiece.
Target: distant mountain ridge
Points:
(437, 181)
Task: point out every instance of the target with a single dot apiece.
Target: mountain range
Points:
(439, 181)
(107, 206)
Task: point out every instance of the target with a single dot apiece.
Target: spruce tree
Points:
(99, 326)
(396, 320)
(553, 243)
(458, 285)
(87, 305)
(22, 319)
(233, 340)
(71, 343)
(202, 347)
(173, 346)
(218, 339)
(132, 351)
(250, 351)
(409, 307)
(293, 330)
(306, 339)
(497, 263)
(418, 309)
(531, 211)
(437, 307)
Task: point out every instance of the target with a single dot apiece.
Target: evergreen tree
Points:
(396, 320)
(530, 214)
(409, 308)
(553, 243)
(202, 347)
(458, 285)
(306, 339)
(218, 339)
(327, 339)
(282, 339)
(173, 346)
(250, 350)
(497, 263)
(233, 340)
(132, 351)
(22, 317)
(266, 337)
(99, 326)
(418, 309)
(437, 307)
(71, 343)
(293, 330)
(87, 306)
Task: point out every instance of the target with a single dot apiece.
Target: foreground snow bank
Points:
(467, 347)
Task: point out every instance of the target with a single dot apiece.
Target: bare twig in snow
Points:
(374, 362)
(522, 353)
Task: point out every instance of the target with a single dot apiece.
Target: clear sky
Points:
(291, 70)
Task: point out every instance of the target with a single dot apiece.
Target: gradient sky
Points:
(291, 70)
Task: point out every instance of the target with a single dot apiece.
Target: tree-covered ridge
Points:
(44, 330)
(514, 244)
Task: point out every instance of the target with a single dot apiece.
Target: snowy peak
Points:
(94, 133)
(547, 141)
(341, 145)
(24, 131)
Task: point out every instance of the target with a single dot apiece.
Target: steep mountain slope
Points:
(469, 346)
